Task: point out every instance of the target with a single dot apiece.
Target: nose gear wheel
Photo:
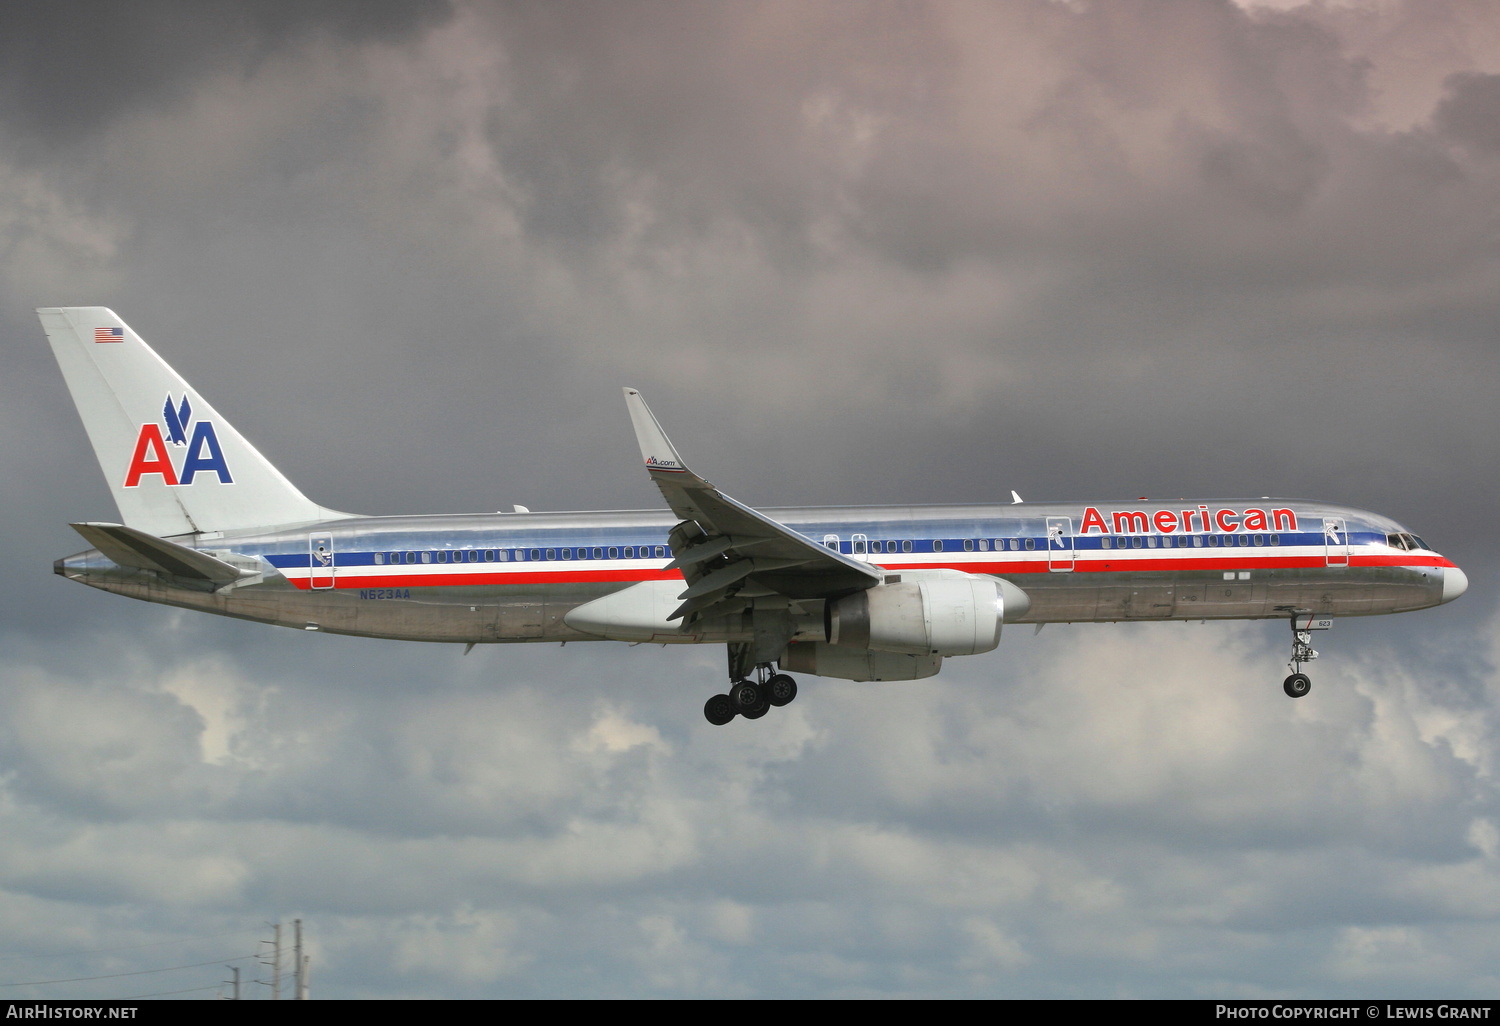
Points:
(1303, 624)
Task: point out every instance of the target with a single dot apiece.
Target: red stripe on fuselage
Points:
(1038, 565)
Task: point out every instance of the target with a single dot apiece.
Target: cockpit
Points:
(1409, 542)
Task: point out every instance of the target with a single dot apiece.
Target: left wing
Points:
(727, 552)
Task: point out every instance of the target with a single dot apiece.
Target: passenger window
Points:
(567, 553)
(1031, 543)
(411, 557)
(1275, 539)
(661, 550)
(906, 546)
(937, 545)
(598, 553)
(379, 558)
(1106, 543)
(1197, 541)
(551, 553)
(614, 552)
(427, 557)
(1244, 540)
(968, 545)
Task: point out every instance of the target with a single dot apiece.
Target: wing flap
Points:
(724, 547)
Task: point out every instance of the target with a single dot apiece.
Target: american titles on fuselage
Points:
(1166, 521)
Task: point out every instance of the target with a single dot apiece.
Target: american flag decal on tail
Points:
(109, 334)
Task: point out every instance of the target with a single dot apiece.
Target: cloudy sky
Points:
(852, 253)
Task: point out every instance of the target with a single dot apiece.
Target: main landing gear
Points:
(1303, 624)
(751, 699)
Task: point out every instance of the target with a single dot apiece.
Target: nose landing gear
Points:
(1297, 685)
(1303, 624)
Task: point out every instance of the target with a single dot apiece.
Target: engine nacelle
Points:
(824, 660)
(939, 613)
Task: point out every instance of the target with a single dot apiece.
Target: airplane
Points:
(860, 593)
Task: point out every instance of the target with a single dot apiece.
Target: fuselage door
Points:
(1335, 541)
(859, 547)
(1060, 544)
(320, 560)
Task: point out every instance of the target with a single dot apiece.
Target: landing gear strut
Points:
(1303, 624)
(751, 699)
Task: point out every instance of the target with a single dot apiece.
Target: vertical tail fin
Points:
(174, 464)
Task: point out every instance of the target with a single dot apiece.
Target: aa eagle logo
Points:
(200, 451)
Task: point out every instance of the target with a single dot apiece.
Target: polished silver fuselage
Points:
(516, 577)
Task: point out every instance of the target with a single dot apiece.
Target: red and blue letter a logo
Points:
(151, 455)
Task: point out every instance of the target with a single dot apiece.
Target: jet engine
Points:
(946, 613)
(902, 629)
(824, 660)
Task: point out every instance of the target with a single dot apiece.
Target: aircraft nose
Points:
(1455, 583)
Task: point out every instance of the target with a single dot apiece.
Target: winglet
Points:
(656, 448)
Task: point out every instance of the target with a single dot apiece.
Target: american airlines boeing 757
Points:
(862, 593)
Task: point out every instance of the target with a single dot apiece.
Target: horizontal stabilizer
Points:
(127, 546)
